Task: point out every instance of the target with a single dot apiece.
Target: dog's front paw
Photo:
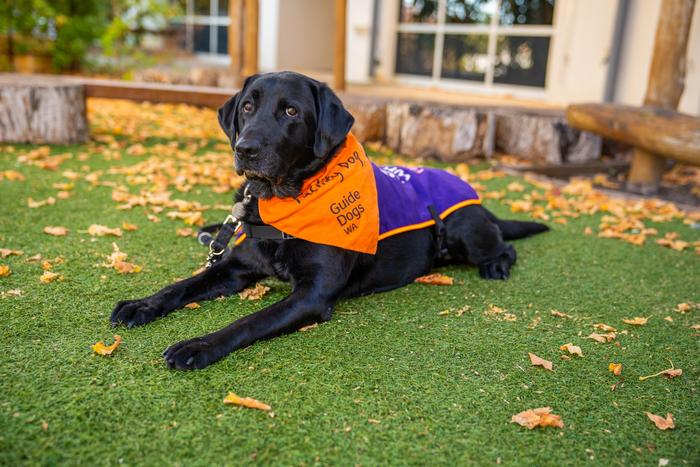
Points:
(135, 312)
(192, 354)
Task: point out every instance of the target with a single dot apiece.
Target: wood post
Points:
(235, 39)
(665, 85)
(250, 38)
(339, 58)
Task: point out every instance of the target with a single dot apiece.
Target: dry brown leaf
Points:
(129, 227)
(185, 232)
(57, 231)
(5, 270)
(117, 260)
(38, 204)
(636, 321)
(604, 327)
(695, 326)
(254, 293)
(5, 252)
(435, 279)
(11, 293)
(35, 258)
(97, 230)
(249, 402)
(193, 305)
(308, 327)
(615, 368)
(48, 277)
(102, 349)
(559, 314)
(668, 372)
(602, 338)
(542, 416)
(661, 422)
(537, 361)
(572, 349)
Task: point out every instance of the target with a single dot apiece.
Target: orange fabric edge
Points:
(420, 225)
(407, 228)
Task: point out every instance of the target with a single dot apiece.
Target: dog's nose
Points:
(247, 148)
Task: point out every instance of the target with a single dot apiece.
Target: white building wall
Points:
(358, 40)
(268, 25)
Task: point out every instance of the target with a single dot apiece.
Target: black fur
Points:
(281, 151)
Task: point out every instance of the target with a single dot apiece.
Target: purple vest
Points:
(404, 194)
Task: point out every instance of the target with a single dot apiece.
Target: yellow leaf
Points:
(193, 305)
(97, 230)
(542, 416)
(661, 422)
(604, 327)
(537, 361)
(57, 231)
(102, 349)
(615, 368)
(435, 279)
(249, 402)
(185, 232)
(602, 338)
(636, 321)
(559, 314)
(129, 227)
(254, 293)
(5, 270)
(49, 276)
(572, 349)
(37, 204)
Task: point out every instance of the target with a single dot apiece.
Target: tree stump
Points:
(41, 110)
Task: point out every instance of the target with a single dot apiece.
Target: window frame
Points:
(493, 29)
(214, 21)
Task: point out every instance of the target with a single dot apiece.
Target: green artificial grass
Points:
(388, 381)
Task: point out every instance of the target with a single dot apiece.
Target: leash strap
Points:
(440, 232)
(267, 232)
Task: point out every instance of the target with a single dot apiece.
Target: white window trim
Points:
(191, 20)
(493, 30)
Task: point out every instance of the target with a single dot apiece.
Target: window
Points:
(206, 26)
(493, 42)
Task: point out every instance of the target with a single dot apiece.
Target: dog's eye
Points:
(291, 111)
(247, 107)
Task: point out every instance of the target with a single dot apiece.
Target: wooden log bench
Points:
(655, 132)
(42, 110)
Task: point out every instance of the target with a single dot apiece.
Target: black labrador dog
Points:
(283, 128)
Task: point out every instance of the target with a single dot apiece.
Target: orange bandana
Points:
(337, 206)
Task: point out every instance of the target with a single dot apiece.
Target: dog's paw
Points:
(135, 312)
(192, 354)
(497, 269)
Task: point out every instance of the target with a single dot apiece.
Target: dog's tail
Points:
(512, 230)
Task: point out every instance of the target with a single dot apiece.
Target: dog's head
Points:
(283, 127)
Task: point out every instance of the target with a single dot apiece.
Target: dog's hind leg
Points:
(473, 238)
(228, 276)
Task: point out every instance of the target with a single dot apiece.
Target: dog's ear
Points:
(228, 113)
(333, 121)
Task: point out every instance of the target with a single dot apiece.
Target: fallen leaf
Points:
(661, 422)
(537, 361)
(668, 372)
(636, 321)
(374, 421)
(435, 279)
(308, 327)
(117, 260)
(102, 349)
(49, 276)
(602, 338)
(515, 187)
(695, 326)
(57, 231)
(37, 204)
(5, 270)
(669, 319)
(97, 230)
(254, 293)
(35, 258)
(572, 349)
(249, 402)
(11, 293)
(4, 252)
(193, 305)
(542, 416)
(185, 232)
(615, 368)
(559, 314)
(604, 327)
(129, 227)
